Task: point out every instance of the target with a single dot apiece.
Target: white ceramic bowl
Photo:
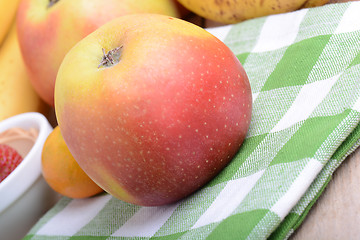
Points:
(24, 194)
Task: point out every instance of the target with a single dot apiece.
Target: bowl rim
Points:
(12, 187)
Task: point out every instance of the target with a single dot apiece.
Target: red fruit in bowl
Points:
(9, 160)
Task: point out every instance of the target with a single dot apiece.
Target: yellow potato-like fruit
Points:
(233, 11)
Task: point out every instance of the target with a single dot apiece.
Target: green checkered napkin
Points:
(304, 70)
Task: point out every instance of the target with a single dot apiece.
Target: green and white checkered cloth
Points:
(304, 70)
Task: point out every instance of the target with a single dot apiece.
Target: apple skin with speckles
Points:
(48, 31)
(162, 118)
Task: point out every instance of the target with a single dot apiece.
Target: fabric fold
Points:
(304, 69)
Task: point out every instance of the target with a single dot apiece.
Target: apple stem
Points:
(110, 58)
(52, 2)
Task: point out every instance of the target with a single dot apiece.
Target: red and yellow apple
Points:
(49, 28)
(152, 107)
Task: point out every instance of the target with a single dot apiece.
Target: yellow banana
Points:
(233, 11)
(16, 92)
(8, 9)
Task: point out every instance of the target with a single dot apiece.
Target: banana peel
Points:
(16, 92)
(8, 9)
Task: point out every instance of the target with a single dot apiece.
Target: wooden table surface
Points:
(336, 214)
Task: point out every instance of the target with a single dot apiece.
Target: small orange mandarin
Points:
(62, 172)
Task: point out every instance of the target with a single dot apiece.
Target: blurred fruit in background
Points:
(48, 29)
(16, 92)
(234, 11)
(7, 15)
(62, 172)
(314, 3)
(9, 160)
